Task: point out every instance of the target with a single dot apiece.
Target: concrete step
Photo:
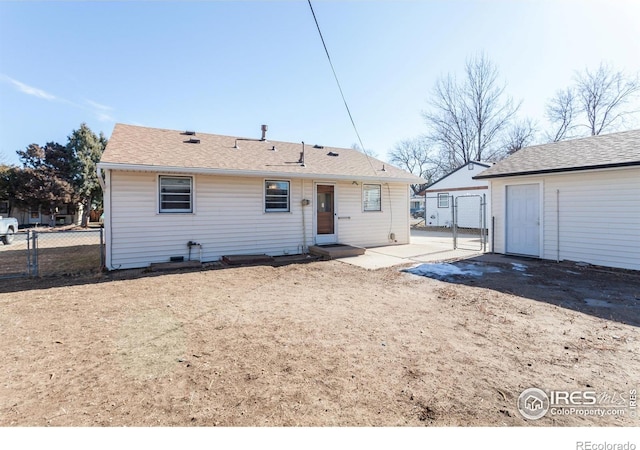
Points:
(333, 251)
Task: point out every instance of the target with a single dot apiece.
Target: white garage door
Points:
(523, 219)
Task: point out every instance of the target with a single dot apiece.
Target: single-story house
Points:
(457, 188)
(169, 192)
(67, 214)
(576, 200)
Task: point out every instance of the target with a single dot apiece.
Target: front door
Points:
(325, 214)
(523, 219)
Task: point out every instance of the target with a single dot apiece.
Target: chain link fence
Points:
(34, 253)
(460, 217)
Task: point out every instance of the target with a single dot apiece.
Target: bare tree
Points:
(519, 134)
(467, 118)
(368, 152)
(561, 112)
(602, 95)
(415, 156)
(598, 101)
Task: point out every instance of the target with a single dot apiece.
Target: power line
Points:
(339, 87)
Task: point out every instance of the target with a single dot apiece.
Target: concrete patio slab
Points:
(424, 247)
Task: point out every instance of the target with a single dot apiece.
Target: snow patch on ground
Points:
(519, 267)
(597, 303)
(443, 271)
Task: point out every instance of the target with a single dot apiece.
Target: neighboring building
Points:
(576, 200)
(416, 202)
(457, 188)
(164, 189)
(65, 215)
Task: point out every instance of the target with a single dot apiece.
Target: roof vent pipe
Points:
(264, 129)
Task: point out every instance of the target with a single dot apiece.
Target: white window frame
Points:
(288, 196)
(366, 207)
(191, 208)
(444, 196)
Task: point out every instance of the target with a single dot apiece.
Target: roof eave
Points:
(457, 169)
(254, 173)
(557, 170)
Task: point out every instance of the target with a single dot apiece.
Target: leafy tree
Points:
(86, 148)
(56, 175)
(46, 180)
(7, 184)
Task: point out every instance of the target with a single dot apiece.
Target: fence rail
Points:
(35, 253)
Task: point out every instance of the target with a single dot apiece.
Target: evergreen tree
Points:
(86, 148)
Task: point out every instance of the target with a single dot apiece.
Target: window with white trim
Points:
(443, 200)
(372, 197)
(176, 194)
(276, 196)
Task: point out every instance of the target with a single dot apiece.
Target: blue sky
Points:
(228, 67)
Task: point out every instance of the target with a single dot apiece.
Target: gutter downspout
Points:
(304, 225)
(104, 178)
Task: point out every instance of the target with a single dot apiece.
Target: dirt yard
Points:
(318, 344)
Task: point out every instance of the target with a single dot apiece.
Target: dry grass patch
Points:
(317, 344)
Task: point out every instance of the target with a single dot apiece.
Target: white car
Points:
(8, 228)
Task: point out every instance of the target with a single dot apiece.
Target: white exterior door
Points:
(523, 219)
(325, 214)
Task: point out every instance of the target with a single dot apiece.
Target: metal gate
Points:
(464, 217)
(51, 252)
(470, 215)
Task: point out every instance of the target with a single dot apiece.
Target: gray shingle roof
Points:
(141, 148)
(594, 152)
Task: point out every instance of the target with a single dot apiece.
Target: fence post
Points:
(454, 220)
(34, 248)
(484, 223)
(28, 253)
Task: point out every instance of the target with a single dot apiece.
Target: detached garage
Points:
(576, 200)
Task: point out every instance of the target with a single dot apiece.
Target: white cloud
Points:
(98, 106)
(29, 90)
(100, 111)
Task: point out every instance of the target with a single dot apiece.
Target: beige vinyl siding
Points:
(599, 216)
(371, 228)
(228, 219)
(496, 216)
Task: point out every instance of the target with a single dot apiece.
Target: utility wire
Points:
(340, 87)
